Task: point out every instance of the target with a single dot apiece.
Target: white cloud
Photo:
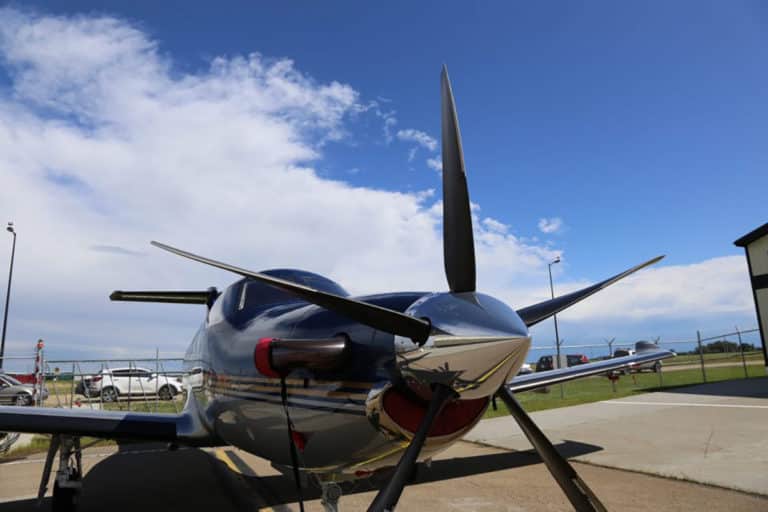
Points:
(422, 139)
(389, 124)
(715, 286)
(495, 225)
(105, 145)
(551, 225)
(435, 163)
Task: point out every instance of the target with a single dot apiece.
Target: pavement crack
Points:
(709, 441)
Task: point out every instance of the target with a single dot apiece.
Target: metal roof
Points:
(752, 236)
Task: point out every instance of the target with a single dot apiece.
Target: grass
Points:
(595, 389)
(162, 406)
(40, 444)
(725, 357)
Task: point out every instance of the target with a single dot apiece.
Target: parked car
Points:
(193, 379)
(13, 392)
(525, 369)
(111, 384)
(546, 363)
(654, 366)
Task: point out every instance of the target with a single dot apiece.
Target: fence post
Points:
(157, 378)
(701, 356)
(72, 387)
(56, 373)
(40, 394)
(130, 391)
(660, 372)
(741, 349)
(37, 389)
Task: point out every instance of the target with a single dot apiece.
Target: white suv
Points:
(654, 366)
(111, 384)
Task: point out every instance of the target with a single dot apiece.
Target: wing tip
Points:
(652, 261)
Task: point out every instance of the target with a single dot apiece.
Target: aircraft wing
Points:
(89, 422)
(646, 353)
(535, 313)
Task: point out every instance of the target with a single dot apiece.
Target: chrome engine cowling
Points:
(477, 342)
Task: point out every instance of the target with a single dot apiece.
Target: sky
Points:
(307, 135)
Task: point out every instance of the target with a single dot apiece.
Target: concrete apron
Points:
(712, 433)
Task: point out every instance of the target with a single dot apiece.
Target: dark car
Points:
(546, 363)
(13, 392)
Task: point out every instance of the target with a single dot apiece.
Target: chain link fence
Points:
(159, 384)
(147, 384)
(730, 355)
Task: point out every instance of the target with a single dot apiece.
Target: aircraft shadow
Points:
(150, 478)
(281, 488)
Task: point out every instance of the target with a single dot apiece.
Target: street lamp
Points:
(8, 293)
(557, 333)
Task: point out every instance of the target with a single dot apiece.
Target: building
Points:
(755, 244)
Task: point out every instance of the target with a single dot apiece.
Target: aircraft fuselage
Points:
(347, 422)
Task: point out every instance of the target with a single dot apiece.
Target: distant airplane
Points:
(289, 367)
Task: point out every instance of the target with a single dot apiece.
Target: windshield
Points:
(255, 295)
(12, 381)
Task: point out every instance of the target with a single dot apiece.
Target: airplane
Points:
(289, 367)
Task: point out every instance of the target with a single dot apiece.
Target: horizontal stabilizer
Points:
(87, 422)
(172, 297)
(534, 314)
(645, 353)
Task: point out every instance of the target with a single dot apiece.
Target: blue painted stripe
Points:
(331, 386)
(295, 396)
(250, 397)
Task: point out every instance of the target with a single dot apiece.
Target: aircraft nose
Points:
(474, 367)
(477, 343)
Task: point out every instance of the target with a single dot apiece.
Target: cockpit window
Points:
(254, 295)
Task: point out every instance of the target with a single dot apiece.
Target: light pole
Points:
(7, 294)
(610, 346)
(557, 333)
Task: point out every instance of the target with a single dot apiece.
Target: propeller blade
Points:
(534, 314)
(383, 319)
(458, 242)
(387, 498)
(581, 497)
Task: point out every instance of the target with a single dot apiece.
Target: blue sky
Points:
(641, 127)
(644, 120)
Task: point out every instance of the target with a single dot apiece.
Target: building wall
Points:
(758, 256)
(762, 305)
(757, 252)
